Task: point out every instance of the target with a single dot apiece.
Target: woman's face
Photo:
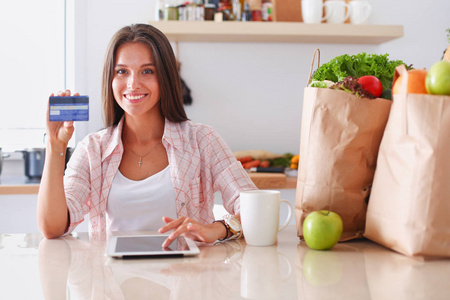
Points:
(135, 84)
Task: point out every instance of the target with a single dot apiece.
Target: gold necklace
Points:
(141, 157)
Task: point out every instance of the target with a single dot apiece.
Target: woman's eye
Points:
(148, 71)
(121, 71)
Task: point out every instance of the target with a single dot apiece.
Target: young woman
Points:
(151, 168)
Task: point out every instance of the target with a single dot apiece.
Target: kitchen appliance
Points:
(34, 162)
(2, 156)
(34, 159)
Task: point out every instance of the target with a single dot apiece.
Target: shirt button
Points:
(182, 203)
(101, 215)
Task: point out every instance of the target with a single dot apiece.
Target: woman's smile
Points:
(135, 98)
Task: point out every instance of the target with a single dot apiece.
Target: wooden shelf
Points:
(266, 181)
(25, 189)
(277, 32)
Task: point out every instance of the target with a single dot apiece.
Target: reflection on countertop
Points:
(75, 267)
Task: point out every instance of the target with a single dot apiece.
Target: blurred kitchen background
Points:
(251, 93)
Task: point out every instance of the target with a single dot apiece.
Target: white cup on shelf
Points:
(337, 11)
(359, 11)
(312, 11)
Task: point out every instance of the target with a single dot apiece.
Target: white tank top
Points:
(140, 205)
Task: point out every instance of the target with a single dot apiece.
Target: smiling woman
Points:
(151, 168)
(32, 54)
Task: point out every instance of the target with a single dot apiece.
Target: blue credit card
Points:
(72, 108)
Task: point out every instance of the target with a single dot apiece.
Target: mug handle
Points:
(327, 12)
(368, 10)
(347, 14)
(288, 219)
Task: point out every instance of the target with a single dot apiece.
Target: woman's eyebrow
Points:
(144, 65)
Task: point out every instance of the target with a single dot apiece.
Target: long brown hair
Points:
(171, 102)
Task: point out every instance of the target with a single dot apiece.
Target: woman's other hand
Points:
(60, 132)
(191, 229)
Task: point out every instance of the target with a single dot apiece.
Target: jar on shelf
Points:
(170, 10)
(210, 10)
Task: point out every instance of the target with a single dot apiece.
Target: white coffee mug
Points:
(312, 11)
(260, 216)
(337, 11)
(359, 11)
(264, 272)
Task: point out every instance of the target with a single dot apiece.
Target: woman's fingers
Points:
(66, 93)
(171, 224)
(167, 220)
(180, 230)
(61, 131)
(190, 229)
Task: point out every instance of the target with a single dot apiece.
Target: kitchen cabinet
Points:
(277, 32)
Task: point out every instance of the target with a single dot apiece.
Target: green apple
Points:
(438, 78)
(322, 229)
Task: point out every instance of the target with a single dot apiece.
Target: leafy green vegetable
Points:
(321, 84)
(359, 65)
(318, 84)
(283, 161)
(387, 94)
(351, 85)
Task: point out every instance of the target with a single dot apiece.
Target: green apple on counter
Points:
(322, 229)
(437, 81)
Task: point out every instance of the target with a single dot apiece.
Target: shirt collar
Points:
(172, 134)
(115, 141)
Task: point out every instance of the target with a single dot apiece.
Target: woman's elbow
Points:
(51, 232)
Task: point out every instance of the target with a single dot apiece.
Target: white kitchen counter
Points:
(75, 267)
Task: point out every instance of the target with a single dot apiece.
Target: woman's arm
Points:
(52, 211)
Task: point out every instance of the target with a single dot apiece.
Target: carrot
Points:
(245, 159)
(265, 164)
(252, 164)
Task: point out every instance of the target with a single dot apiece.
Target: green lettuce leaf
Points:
(359, 65)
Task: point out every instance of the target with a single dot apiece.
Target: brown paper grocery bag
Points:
(340, 137)
(409, 207)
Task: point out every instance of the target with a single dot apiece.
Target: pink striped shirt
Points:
(200, 162)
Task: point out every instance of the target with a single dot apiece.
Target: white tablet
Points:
(149, 246)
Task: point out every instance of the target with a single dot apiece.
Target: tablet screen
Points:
(150, 245)
(146, 244)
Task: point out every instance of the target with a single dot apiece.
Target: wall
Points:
(252, 93)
